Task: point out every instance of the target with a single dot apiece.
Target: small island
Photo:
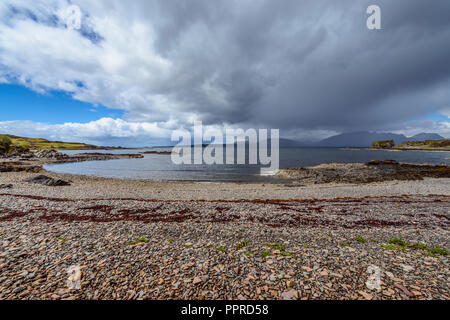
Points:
(426, 145)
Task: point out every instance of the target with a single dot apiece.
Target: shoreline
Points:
(99, 187)
(134, 240)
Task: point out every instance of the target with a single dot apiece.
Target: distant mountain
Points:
(426, 136)
(364, 139)
(360, 139)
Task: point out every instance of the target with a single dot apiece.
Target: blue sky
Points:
(20, 103)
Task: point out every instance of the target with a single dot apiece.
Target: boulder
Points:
(49, 154)
(47, 181)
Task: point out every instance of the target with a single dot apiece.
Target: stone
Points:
(196, 280)
(47, 181)
(289, 295)
(365, 295)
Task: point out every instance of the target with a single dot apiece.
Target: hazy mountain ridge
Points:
(363, 139)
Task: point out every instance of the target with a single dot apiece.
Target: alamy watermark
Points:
(374, 20)
(235, 143)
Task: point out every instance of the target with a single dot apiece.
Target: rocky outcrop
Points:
(49, 154)
(18, 167)
(373, 171)
(47, 181)
(27, 154)
(158, 152)
(98, 157)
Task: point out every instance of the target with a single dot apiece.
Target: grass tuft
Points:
(360, 239)
(399, 244)
(137, 240)
(242, 244)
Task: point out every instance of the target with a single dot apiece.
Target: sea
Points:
(159, 167)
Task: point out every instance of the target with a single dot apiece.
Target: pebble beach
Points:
(167, 240)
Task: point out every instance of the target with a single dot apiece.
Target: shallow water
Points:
(160, 167)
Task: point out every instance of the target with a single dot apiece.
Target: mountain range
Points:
(360, 139)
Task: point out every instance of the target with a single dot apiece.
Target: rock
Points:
(382, 162)
(389, 292)
(47, 181)
(416, 293)
(407, 268)
(74, 280)
(365, 295)
(290, 283)
(402, 288)
(49, 154)
(289, 295)
(197, 280)
(373, 281)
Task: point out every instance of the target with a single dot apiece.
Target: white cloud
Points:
(428, 126)
(115, 131)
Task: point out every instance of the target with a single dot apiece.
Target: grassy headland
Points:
(432, 145)
(40, 143)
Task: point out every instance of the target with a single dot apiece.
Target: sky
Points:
(137, 70)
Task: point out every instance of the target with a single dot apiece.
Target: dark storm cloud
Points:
(310, 64)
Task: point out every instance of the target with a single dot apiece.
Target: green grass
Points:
(360, 239)
(281, 248)
(439, 251)
(427, 144)
(242, 244)
(137, 240)
(399, 244)
(344, 244)
(220, 249)
(265, 254)
(389, 246)
(383, 144)
(277, 246)
(286, 254)
(39, 143)
(61, 240)
(420, 246)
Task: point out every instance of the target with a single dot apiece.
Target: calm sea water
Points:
(161, 168)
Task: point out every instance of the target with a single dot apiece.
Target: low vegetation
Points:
(383, 144)
(399, 244)
(137, 240)
(5, 144)
(242, 244)
(443, 144)
(7, 141)
(360, 239)
(427, 144)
